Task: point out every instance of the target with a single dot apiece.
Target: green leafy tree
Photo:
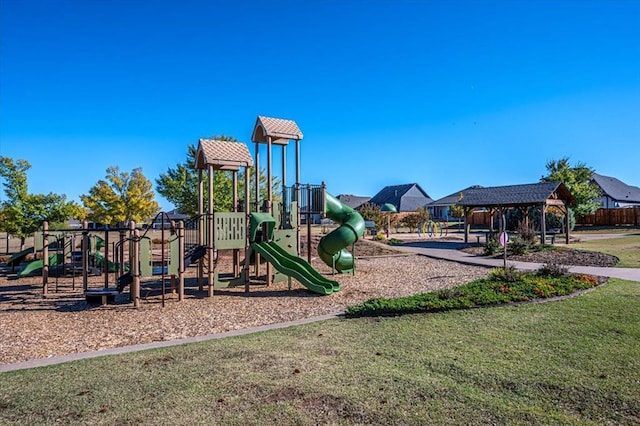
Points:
(457, 210)
(276, 190)
(577, 179)
(23, 213)
(179, 185)
(121, 198)
(370, 211)
(412, 220)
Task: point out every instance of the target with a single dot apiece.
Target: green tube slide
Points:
(332, 247)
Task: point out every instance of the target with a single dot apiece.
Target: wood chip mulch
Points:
(34, 327)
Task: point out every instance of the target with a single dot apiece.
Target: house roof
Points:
(451, 199)
(176, 215)
(616, 189)
(397, 195)
(352, 201)
(516, 195)
(280, 130)
(222, 155)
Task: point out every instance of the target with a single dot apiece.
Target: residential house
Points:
(167, 217)
(406, 198)
(615, 193)
(352, 201)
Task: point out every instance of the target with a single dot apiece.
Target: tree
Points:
(179, 185)
(412, 220)
(121, 198)
(370, 211)
(457, 210)
(23, 213)
(577, 179)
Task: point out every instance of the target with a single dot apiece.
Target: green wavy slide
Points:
(31, 267)
(296, 267)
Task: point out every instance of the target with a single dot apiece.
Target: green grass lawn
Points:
(626, 248)
(575, 361)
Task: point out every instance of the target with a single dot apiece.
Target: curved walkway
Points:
(448, 250)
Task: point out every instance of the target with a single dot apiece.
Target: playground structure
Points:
(269, 228)
(260, 234)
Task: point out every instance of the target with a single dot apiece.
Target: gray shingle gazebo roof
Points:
(517, 195)
(452, 199)
(280, 130)
(222, 155)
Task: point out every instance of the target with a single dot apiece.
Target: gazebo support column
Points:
(567, 225)
(543, 224)
(467, 226)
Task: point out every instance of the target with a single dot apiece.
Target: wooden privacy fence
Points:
(482, 218)
(602, 217)
(619, 216)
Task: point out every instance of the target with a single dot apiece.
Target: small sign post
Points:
(504, 239)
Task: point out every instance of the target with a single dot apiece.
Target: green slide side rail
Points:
(332, 247)
(296, 267)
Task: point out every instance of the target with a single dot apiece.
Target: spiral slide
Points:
(332, 247)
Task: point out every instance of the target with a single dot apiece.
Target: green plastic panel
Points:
(174, 257)
(257, 219)
(145, 257)
(230, 230)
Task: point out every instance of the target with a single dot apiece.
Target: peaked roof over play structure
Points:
(279, 130)
(222, 155)
(517, 195)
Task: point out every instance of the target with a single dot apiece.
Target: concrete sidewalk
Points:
(449, 250)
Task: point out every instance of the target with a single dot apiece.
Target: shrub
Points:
(380, 236)
(552, 270)
(526, 232)
(492, 245)
(509, 274)
(394, 242)
(504, 285)
(519, 245)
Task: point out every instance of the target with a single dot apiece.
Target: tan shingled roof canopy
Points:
(280, 130)
(222, 155)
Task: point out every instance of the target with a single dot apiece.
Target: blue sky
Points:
(447, 94)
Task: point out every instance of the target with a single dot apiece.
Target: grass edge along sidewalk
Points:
(571, 362)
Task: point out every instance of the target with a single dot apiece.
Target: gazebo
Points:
(499, 198)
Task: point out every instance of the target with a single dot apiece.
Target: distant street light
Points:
(388, 208)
